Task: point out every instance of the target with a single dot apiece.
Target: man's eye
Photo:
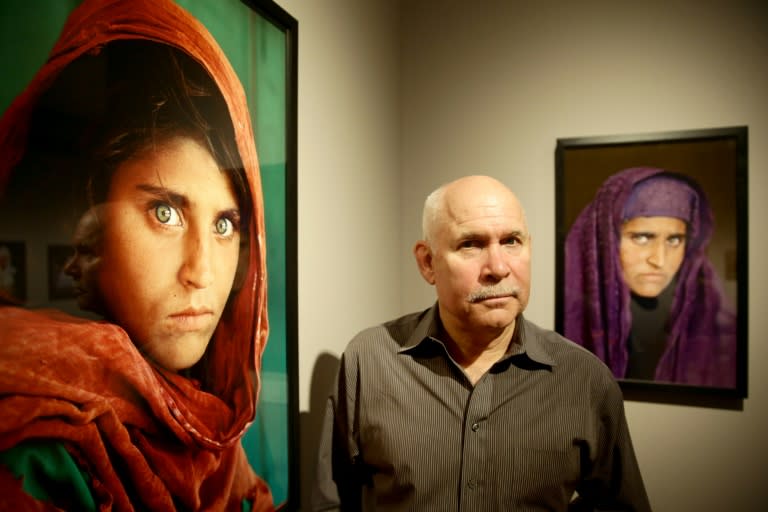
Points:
(167, 214)
(511, 241)
(468, 244)
(640, 238)
(225, 227)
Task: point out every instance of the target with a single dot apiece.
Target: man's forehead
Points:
(478, 205)
(486, 223)
(485, 208)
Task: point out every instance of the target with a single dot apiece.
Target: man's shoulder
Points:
(566, 353)
(575, 368)
(392, 334)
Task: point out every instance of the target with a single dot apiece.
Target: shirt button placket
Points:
(475, 449)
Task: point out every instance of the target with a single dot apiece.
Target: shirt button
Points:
(475, 427)
(471, 484)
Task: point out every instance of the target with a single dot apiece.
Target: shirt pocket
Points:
(541, 477)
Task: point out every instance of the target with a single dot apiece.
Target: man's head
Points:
(83, 265)
(476, 251)
(653, 234)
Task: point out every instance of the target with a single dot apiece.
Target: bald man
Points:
(467, 405)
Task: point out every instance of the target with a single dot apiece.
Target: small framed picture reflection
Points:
(13, 271)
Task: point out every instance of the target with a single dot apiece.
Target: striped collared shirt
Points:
(406, 430)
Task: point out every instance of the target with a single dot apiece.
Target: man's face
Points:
(479, 259)
(83, 265)
(651, 252)
(170, 250)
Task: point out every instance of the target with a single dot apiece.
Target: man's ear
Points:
(423, 254)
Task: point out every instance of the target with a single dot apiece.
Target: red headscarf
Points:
(147, 437)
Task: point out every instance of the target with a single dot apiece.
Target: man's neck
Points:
(477, 352)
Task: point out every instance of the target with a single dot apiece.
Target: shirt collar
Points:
(525, 340)
(427, 328)
(531, 343)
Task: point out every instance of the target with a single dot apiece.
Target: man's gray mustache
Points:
(491, 292)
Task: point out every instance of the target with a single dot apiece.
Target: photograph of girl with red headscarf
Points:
(135, 138)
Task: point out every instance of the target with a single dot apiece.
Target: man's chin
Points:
(499, 318)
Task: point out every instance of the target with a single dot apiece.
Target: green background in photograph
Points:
(257, 51)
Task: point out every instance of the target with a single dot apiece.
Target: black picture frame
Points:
(285, 323)
(717, 159)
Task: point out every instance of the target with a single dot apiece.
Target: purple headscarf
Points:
(662, 195)
(701, 346)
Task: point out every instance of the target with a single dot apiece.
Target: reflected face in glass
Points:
(84, 263)
(651, 252)
(170, 251)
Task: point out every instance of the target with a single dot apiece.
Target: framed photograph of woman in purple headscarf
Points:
(652, 256)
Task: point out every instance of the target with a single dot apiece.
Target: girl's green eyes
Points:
(224, 227)
(167, 214)
(170, 216)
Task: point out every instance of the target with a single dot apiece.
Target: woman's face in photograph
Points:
(170, 250)
(651, 252)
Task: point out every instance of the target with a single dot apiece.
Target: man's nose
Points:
(496, 264)
(71, 268)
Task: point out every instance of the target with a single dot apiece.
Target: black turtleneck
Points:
(648, 335)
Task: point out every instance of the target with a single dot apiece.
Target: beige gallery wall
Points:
(396, 98)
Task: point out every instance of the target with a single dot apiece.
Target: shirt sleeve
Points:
(612, 480)
(338, 485)
(50, 474)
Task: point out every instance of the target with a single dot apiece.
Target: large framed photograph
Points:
(652, 258)
(260, 41)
